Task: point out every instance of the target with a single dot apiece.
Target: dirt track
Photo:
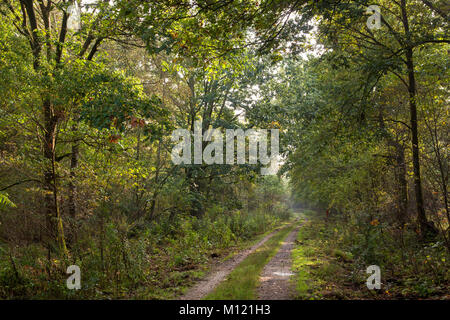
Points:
(275, 284)
(219, 273)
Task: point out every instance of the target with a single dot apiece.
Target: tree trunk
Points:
(52, 214)
(53, 217)
(442, 170)
(156, 183)
(402, 184)
(137, 193)
(400, 173)
(72, 187)
(425, 227)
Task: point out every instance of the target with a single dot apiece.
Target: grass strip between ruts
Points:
(242, 282)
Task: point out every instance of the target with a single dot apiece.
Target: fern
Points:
(5, 202)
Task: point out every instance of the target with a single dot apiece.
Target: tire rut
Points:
(275, 278)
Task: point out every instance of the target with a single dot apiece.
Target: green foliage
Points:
(86, 117)
(116, 262)
(5, 202)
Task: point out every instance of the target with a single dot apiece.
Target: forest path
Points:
(275, 278)
(219, 273)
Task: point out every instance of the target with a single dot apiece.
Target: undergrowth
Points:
(332, 256)
(123, 260)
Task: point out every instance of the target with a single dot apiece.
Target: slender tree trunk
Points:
(424, 225)
(402, 184)
(442, 171)
(156, 192)
(72, 188)
(53, 215)
(137, 196)
(443, 183)
(48, 172)
(400, 173)
(73, 167)
(422, 219)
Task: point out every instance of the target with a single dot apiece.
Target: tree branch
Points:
(20, 182)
